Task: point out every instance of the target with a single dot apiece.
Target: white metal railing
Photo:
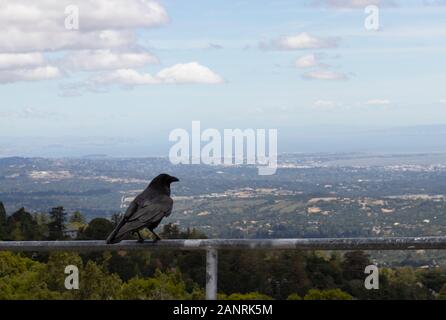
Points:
(212, 246)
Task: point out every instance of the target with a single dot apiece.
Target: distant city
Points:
(312, 195)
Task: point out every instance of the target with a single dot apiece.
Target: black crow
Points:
(146, 210)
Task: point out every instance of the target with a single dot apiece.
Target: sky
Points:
(135, 70)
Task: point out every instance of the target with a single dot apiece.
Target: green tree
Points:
(173, 231)
(54, 275)
(294, 296)
(354, 265)
(77, 217)
(97, 229)
(329, 294)
(3, 219)
(42, 220)
(97, 284)
(163, 286)
(130, 264)
(21, 279)
(248, 296)
(322, 271)
(22, 226)
(433, 279)
(56, 226)
(442, 293)
(402, 284)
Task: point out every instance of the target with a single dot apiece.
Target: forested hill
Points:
(180, 275)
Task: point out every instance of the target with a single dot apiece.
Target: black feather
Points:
(146, 210)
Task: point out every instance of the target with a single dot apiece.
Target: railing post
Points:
(211, 273)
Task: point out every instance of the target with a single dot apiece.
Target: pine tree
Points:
(21, 226)
(2, 221)
(57, 225)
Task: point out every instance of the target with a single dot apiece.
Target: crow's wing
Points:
(133, 207)
(151, 211)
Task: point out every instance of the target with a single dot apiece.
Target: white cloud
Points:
(378, 102)
(14, 40)
(443, 101)
(119, 14)
(90, 60)
(20, 60)
(15, 67)
(33, 74)
(127, 77)
(106, 40)
(323, 72)
(186, 73)
(304, 41)
(325, 104)
(191, 72)
(39, 25)
(50, 15)
(307, 61)
(325, 75)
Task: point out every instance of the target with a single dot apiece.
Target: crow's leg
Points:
(157, 237)
(141, 239)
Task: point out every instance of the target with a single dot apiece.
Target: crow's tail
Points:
(115, 236)
(111, 239)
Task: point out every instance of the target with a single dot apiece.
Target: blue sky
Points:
(229, 64)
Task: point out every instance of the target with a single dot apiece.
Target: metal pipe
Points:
(213, 245)
(211, 273)
(395, 243)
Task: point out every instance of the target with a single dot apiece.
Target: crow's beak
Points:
(174, 179)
